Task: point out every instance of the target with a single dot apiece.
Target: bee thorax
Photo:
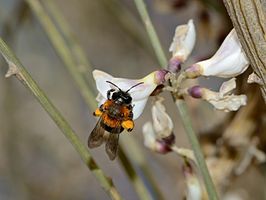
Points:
(114, 112)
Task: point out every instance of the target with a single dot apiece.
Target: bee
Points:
(115, 115)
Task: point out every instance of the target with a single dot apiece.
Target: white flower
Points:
(149, 136)
(229, 61)
(158, 136)
(139, 94)
(183, 41)
(162, 123)
(194, 190)
(222, 100)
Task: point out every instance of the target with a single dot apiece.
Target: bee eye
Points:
(115, 96)
(128, 99)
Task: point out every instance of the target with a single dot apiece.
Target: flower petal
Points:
(138, 107)
(149, 136)
(229, 103)
(141, 91)
(183, 41)
(100, 78)
(254, 78)
(228, 61)
(194, 190)
(222, 100)
(227, 87)
(162, 123)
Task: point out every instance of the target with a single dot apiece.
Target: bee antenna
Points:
(113, 84)
(134, 86)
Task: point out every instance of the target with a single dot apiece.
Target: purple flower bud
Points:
(160, 76)
(163, 145)
(193, 71)
(162, 148)
(195, 91)
(169, 140)
(174, 65)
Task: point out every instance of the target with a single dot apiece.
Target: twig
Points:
(79, 67)
(128, 23)
(10, 29)
(83, 65)
(185, 153)
(152, 33)
(63, 52)
(181, 106)
(24, 77)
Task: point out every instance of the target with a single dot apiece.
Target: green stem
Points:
(139, 185)
(24, 77)
(182, 108)
(80, 68)
(151, 32)
(63, 52)
(83, 65)
(128, 23)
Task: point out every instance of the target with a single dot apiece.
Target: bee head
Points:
(119, 96)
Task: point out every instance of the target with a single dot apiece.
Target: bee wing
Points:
(111, 145)
(96, 137)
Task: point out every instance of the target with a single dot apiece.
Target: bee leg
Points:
(128, 125)
(98, 112)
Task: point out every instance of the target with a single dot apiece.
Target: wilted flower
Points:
(229, 61)
(139, 94)
(158, 136)
(254, 78)
(222, 100)
(182, 45)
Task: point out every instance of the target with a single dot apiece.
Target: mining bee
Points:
(116, 114)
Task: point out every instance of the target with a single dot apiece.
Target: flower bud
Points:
(195, 92)
(153, 143)
(174, 65)
(158, 136)
(163, 145)
(193, 71)
(159, 76)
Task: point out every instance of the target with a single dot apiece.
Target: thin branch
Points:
(151, 32)
(80, 68)
(181, 106)
(63, 52)
(128, 23)
(17, 69)
(83, 65)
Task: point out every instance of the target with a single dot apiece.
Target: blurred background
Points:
(38, 162)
